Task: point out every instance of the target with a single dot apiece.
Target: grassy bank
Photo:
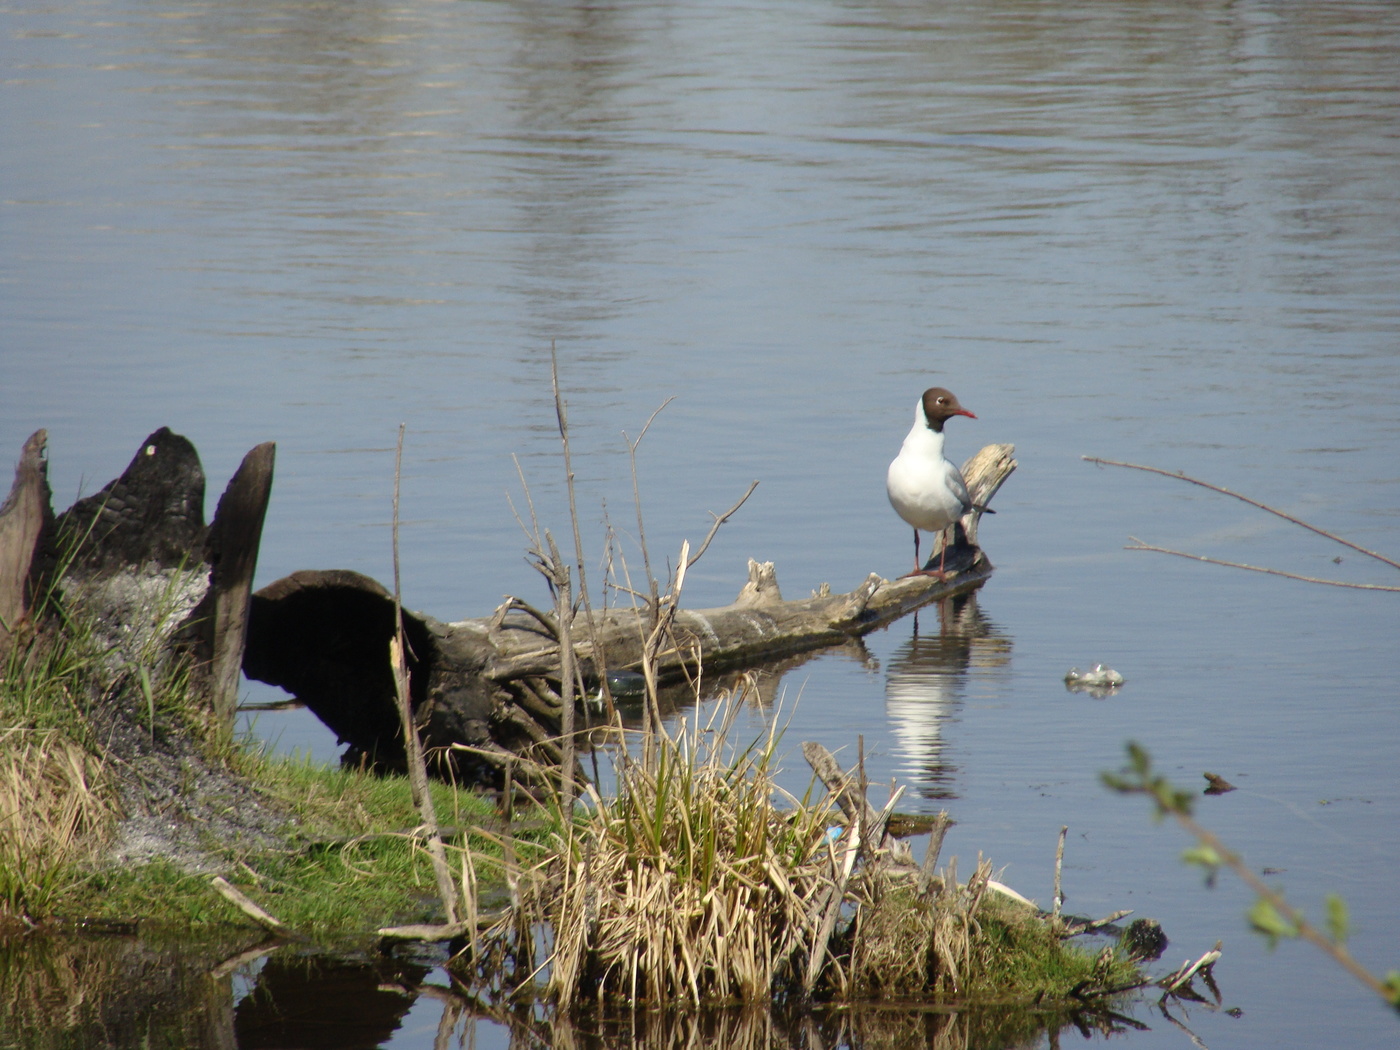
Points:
(117, 805)
(701, 882)
(351, 862)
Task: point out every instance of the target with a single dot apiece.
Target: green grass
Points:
(347, 863)
(56, 793)
(348, 866)
(354, 866)
(1021, 958)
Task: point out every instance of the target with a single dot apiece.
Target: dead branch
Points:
(1253, 503)
(1139, 545)
(248, 908)
(720, 519)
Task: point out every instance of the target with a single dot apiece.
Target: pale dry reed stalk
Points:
(56, 807)
(692, 884)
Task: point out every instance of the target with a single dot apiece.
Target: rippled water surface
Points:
(1167, 233)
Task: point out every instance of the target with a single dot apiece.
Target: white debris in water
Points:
(1097, 681)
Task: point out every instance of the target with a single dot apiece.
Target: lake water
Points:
(1164, 232)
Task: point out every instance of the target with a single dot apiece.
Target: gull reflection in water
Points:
(927, 681)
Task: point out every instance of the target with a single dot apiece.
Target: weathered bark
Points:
(232, 554)
(492, 683)
(26, 523)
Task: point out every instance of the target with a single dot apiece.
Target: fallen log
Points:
(492, 683)
(485, 693)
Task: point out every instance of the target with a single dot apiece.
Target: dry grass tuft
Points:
(56, 809)
(702, 883)
(691, 885)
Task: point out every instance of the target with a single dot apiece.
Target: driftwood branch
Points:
(248, 908)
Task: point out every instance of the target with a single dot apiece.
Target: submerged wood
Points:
(488, 688)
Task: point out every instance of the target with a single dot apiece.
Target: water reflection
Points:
(323, 1002)
(220, 994)
(927, 680)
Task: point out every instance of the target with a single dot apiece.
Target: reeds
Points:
(57, 803)
(702, 882)
(56, 808)
(692, 884)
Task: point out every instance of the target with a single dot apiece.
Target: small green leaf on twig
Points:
(1338, 924)
(1139, 759)
(1265, 918)
(1392, 988)
(1202, 856)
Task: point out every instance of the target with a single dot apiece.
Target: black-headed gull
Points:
(925, 489)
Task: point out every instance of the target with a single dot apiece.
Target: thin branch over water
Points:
(1139, 545)
(1253, 503)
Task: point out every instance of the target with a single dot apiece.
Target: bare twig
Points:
(1059, 863)
(532, 532)
(637, 499)
(1139, 545)
(1253, 503)
(566, 675)
(567, 668)
(720, 519)
(413, 747)
(665, 613)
